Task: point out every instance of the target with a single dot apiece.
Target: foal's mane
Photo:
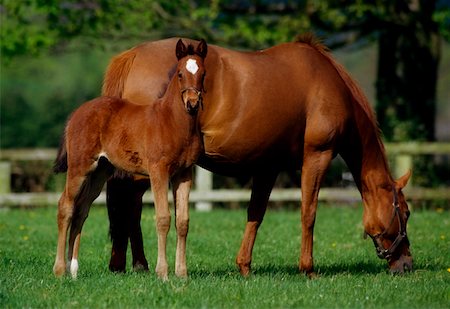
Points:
(358, 95)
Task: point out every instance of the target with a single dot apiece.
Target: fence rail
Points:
(204, 194)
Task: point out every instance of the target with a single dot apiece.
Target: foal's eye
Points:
(180, 75)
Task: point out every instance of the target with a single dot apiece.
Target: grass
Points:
(350, 274)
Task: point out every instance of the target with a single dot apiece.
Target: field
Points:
(350, 274)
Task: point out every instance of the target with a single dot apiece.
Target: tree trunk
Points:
(409, 52)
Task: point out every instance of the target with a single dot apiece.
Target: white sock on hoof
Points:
(74, 268)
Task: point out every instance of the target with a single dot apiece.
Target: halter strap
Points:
(387, 253)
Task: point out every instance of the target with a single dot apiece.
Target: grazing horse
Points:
(288, 107)
(161, 141)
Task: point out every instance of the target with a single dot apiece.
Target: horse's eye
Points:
(180, 75)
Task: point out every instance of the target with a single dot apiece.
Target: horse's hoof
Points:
(312, 275)
(244, 270)
(117, 268)
(138, 267)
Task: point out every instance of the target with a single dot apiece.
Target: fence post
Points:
(403, 163)
(5, 177)
(203, 184)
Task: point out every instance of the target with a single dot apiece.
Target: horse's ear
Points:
(403, 181)
(181, 50)
(202, 49)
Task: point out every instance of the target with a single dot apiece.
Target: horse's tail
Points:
(117, 72)
(60, 165)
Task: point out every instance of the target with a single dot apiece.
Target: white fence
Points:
(204, 195)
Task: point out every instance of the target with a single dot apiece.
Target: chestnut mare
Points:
(161, 140)
(291, 106)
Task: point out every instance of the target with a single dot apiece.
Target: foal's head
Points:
(191, 73)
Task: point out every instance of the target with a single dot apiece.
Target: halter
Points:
(387, 253)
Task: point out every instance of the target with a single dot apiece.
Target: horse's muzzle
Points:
(402, 265)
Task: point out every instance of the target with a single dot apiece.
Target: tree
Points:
(409, 44)
(409, 52)
(408, 34)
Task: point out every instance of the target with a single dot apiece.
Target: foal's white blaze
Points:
(74, 268)
(191, 66)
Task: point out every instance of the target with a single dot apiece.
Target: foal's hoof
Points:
(181, 273)
(163, 277)
(59, 270)
(162, 273)
(73, 268)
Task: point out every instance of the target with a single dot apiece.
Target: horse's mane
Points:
(358, 95)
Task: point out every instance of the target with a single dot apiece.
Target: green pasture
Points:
(350, 274)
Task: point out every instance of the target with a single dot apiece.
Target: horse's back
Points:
(268, 103)
(257, 105)
(150, 71)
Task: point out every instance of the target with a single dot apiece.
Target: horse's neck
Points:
(367, 160)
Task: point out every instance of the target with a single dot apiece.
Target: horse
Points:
(160, 141)
(288, 107)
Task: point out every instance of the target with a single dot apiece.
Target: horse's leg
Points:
(64, 218)
(262, 186)
(315, 164)
(181, 183)
(159, 180)
(90, 190)
(124, 205)
(137, 245)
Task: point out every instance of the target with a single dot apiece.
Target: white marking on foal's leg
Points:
(191, 66)
(74, 268)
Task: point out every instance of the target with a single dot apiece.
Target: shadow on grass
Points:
(292, 270)
(327, 270)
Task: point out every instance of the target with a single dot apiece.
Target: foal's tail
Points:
(60, 165)
(117, 72)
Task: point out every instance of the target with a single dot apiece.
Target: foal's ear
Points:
(181, 50)
(403, 181)
(202, 49)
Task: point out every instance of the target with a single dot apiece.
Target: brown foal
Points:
(161, 141)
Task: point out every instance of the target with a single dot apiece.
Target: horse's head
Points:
(191, 74)
(387, 226)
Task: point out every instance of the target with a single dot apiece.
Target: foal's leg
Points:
(64, 218)
(261, 189)
(181, 187)
(159, 178)
(315, 164)
(90, 190)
